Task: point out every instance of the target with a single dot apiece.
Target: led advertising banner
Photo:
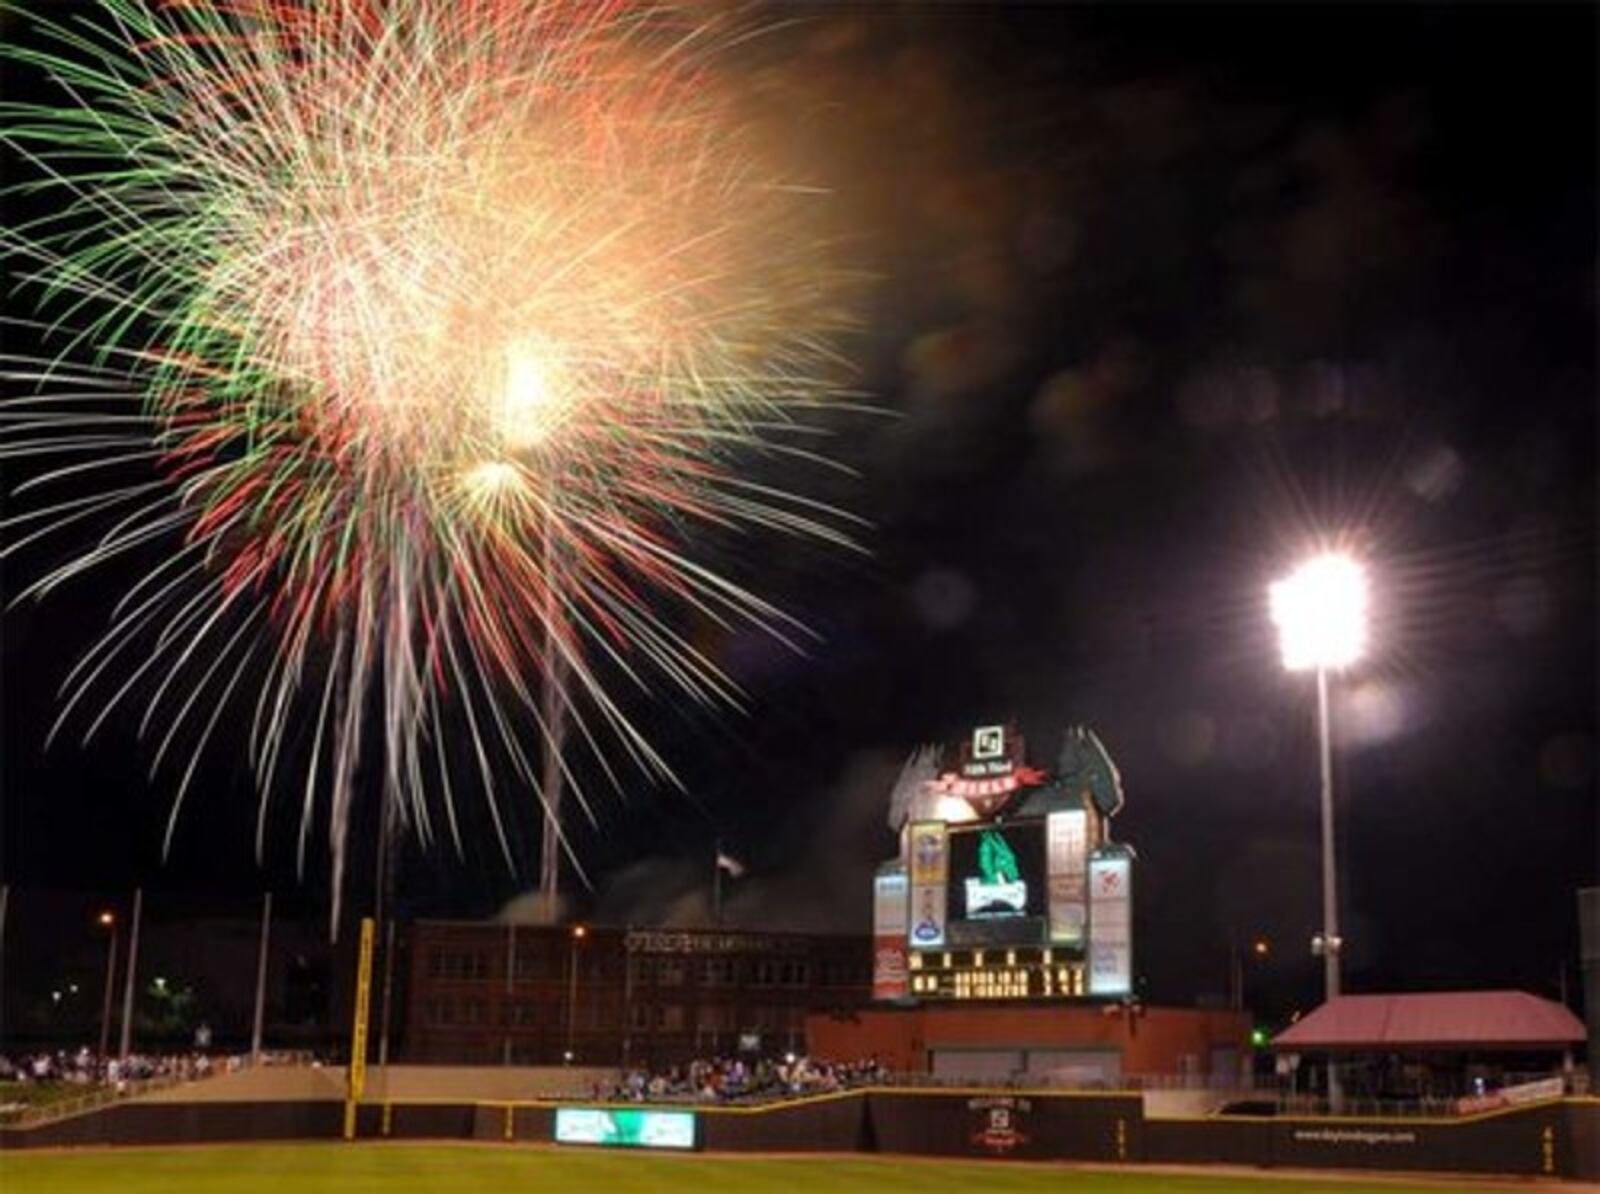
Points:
(625, 1128)
(891, 894)
(996, 890)
(1110, 926)
(927, 854)
(927, 916)
(1067, 859)
(891, 969)
(929, 862)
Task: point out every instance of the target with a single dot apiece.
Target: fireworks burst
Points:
(447, 324)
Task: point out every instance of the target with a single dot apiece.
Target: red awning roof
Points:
(1435, 1020)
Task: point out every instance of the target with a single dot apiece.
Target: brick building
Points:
(481, 993)
(1072, 1044)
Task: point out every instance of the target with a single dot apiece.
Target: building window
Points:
(669, 972)
(669, 1017)
(455, 963)
(594, 1016)
(764, 1018)
(520, 1014)
(715, 1017)
(531, 963)
(640, 1016)
(841, 974)
(441, 1011)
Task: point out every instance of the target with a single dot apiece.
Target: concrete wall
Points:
(1187, 1104)
(270, 1084)
(464, 1084)
(468, 1084)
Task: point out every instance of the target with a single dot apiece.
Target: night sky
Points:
(1153, 301)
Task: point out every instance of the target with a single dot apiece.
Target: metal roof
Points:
(1463, 1020)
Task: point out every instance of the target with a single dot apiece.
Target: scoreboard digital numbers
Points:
(625, 1128)
(1009, 973)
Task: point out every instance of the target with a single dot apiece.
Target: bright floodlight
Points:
(1320, 610)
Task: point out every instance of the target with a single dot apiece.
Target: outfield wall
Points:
(1532, 1141)
(1553, 1139)
(1582, 1159)
(183, 1123)
(1032, 1125)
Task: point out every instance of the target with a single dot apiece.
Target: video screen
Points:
(997, 888)
(624, 1128)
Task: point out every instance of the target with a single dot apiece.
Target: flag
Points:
(726, 862)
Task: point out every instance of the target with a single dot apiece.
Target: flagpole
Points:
(716, 884)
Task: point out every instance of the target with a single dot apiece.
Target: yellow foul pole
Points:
(358, 1033)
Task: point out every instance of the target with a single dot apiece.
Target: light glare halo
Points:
(1320, 610)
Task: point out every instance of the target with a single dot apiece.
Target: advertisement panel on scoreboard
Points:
(928, 916)
(889, 904)
(929, 863)
(927, 852)
(891, 969)
(1110, 925)
(889, 924)
(1067, 857)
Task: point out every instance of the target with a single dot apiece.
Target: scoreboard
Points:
(996, 897)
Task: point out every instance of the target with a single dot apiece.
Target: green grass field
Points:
(456, 1169)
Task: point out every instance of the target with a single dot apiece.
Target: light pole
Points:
(129, 977)
(258, 1019)
(578, 934)
(1320, 610)
(509, 1015)
(106, 920)
(1260, 947)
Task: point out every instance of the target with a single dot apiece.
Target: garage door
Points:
(977, 1065)
(1096, 1068)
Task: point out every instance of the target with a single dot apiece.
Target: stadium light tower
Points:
(1320, 610)
(107, 920)
(576, 939)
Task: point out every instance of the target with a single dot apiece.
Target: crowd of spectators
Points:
(85, 1068)
(738, 1079)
